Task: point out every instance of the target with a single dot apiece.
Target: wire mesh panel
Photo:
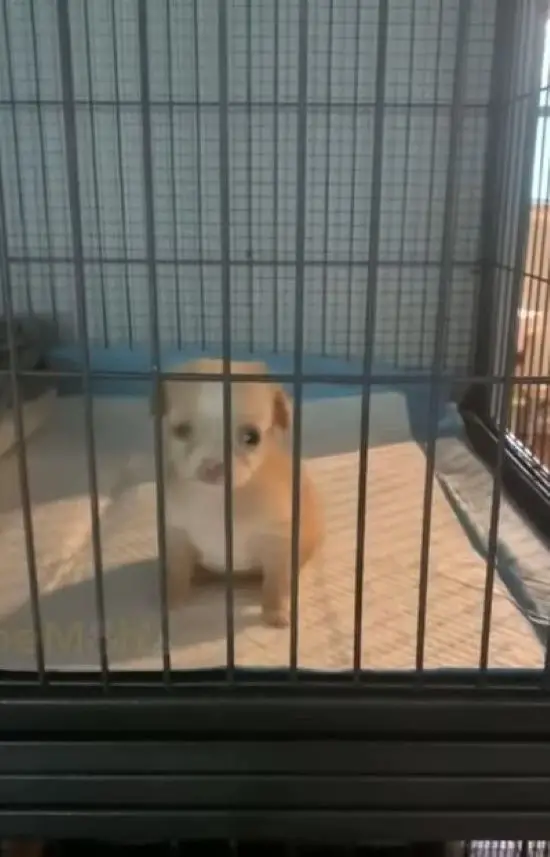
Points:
(296, 182)
(529, 416)
(330, 188)
(263, 115)
(251, 254)
(519, 234)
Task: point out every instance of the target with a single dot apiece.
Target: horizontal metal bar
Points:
(336, 378)
(262, 704)
(236, 105)
(264, 791)
(243, 262)
(327, 825)
(449, 681)
(330, 757)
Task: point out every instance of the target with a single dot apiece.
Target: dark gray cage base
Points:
(237, 848)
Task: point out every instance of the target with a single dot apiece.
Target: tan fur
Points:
(262, 483)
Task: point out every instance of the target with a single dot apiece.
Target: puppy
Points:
(193, 438)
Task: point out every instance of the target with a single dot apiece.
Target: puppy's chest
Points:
(201, 514)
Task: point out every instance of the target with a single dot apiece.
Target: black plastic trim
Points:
(432, 756)
(323, 825)
(265, 703)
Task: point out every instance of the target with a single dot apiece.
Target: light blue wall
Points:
(413, 173)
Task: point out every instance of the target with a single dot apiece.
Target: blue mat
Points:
(112, 360)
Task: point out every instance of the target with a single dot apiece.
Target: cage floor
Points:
(58, 477)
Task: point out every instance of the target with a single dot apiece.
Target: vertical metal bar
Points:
(225, 238)
(95, 178)
(504, 235)
(399, 307)
(198, 156)
(328, 134)
(150, 234)
(542, 349)
(523, 419)
(250, 252)
(45, 194)
(535, 365)
(353, 168)
(431, 184)
(26, 507)
(120, 160)
(509, 297)
(276, 177)
(546, 668)
(71, 148)
(522, 231)
(173, 193)
(481, 356)
(18, 170)
(442, 316)
(301, 182)
(544, 410)
(370, 327)
(534, 288)
(543, 454)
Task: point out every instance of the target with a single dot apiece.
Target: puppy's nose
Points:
(210, 470)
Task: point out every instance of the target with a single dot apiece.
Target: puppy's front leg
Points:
(180, 563)
(275, 563)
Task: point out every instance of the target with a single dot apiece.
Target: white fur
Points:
(201, 515)
(208, 440)
(210, 403)
(199, 510)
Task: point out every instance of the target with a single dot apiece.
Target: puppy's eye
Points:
(249, 436)
(182, 431)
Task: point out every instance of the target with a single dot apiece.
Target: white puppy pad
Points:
(59, 480)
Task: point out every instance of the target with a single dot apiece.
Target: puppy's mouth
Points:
(211, 474)
(210, 479)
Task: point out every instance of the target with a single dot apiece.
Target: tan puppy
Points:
(193, 436)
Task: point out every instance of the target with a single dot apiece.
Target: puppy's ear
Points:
(282, 408)
(159, 400)
(252, 367)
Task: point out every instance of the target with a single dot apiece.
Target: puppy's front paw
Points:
(276, 618)
(180, 563)
(178, 586)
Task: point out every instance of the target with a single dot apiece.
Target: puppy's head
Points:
(192, 413)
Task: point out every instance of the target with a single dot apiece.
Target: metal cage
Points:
(345, 178)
